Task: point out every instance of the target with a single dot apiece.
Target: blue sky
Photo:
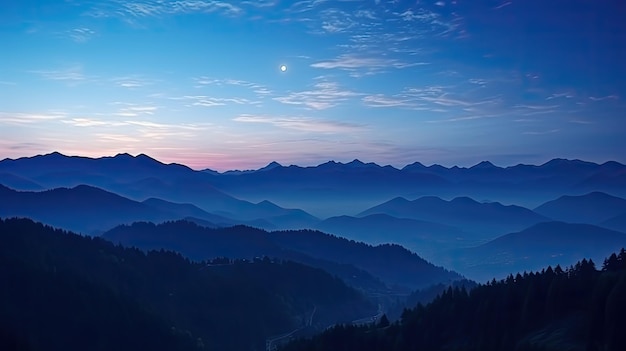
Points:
(393, 82)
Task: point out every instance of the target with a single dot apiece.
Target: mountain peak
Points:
(144, 156)
(464, 200)
(270, 166)
(123, 155)
(267, 204)
(561, 162)
(53, 155)
(484, 165)
(414, 166)
(356, 162)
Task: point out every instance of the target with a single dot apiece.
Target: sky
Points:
(198, 82)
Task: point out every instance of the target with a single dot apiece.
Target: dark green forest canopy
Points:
(580, 308)
(62, 291)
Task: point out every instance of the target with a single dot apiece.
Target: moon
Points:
(283, 68)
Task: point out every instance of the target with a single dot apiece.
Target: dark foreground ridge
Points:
(580, 308)
(62, 291)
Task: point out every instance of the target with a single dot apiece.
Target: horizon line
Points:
(486, 163)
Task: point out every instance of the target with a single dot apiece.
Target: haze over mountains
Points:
(325, 190)
(378, 238)
(437, 212)
(349, 260)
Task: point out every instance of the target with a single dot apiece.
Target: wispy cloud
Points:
(94, 122)
(602, 98)
(89, 122)
(542, 132)
(560, 95)
(449, 100)
(468, 117)
(305, 5)
(259, 89)
(133, 10)
(18, 118)
(336, 21)
(380, 100)
(116, 138)
(134, 110)
(436, 99)
(478, 81)
(209, 101)
(204, 80)
(72, 74)
(536, 107)
(581, 121)
(531, 110)
(131, 81)
(504, 4)
(324, 95)
(305, 124)
(81, 35)
(371, 65)
(417, 15)
(261, 3)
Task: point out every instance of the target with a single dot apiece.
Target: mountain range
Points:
(486, 220)
(444, 214)
(592, 208)
(326, 190)
(91, 210)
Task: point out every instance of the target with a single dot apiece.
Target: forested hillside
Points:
(580, 308)
(62, 291)
(391, 264)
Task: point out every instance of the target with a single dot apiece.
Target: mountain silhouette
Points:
(141, 177)
(592, 208)
(548, 243)
(616, 223)
(391, 264)
(322, 190)
(16, 182)
(485, 220)
(192, 212)
(90, 210)
(84, 209)
(425, 238)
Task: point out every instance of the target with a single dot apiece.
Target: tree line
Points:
(577, 308)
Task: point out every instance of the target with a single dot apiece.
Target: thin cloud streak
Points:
(28, 118)
(370, 64)
(305, 124)
(324, 96)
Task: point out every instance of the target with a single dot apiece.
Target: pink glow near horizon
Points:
(222, 162)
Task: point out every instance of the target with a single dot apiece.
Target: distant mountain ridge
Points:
(427, 239)
(88, 209)
(391, 264)
(594, 208)
(548, 243)
(142, 177)
(326, 190)
(32, 165)
(453, 207)
(484, 219)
